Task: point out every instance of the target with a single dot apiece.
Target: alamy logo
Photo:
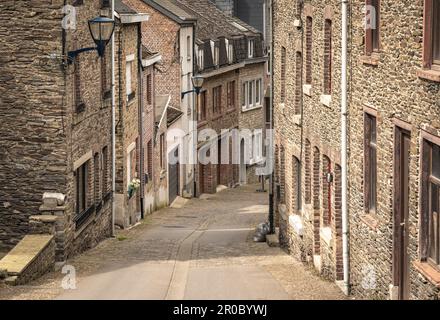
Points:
(370, 17)
(69, 20)
(69, 280)
(368, 277)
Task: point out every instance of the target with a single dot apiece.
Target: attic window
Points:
(251, 45)
(231, 53)
(201, 61)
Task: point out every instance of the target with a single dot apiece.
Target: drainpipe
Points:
(271, 126)
(344, 149)
(113, 123)
(141, 121)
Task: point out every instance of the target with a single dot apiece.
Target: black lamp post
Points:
(197, 82)
(101, 30)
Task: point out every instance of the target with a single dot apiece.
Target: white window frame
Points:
(244, 94)
(188, 47)
(258, 94)
(251, 92)
(128, 78)
(201, 61)
(251, 52)
(130, 149)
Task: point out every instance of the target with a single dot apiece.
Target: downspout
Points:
(195, 115)
(140, 121)
(344, 148)
(113, 122)
(271, 125)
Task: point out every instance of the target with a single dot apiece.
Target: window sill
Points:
(246, 109)
(429, 74)
(326, 100)
(429, 272)
(370, 220)
(230, 110)
(307, 90)
(371, 60)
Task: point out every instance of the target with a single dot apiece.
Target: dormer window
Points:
(200, 59)
(216, 55)
(251, 45)
(230, 53)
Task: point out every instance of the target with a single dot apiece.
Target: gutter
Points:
(344, 147)
(113, 124)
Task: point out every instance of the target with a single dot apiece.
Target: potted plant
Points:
(133, 186)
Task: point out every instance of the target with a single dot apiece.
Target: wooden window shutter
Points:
(368, 32)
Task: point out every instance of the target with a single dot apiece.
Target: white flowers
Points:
(133, 186)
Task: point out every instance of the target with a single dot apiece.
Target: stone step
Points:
(24, 254)
(179, 203)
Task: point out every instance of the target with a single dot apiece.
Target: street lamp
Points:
(101, 30)
(197, 82)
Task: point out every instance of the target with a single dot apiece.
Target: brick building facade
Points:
(393, 139)
(230, 58)
(56, 123)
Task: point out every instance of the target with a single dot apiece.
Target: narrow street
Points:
(201, 251)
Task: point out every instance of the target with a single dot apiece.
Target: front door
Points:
(174, 177)
(401, 212)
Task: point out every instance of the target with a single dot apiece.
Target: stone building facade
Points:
(56, 123)
(307, 126)
(393, 139)
(395, 84)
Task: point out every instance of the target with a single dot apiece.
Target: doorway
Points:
(402, 145)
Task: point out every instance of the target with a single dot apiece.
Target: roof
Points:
(213, 23)
(162, 102)
(128, 15)
(172, 115)
(122, 8)
(173, 10)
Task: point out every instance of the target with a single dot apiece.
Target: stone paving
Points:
(202, 251)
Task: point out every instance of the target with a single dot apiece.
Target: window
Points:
(96, 175)
(258, 89)
(201, 61)
(216, 55)
(308, 174)
(82, 188)
(251, 93)
(231, 95)
(370, 165)
(162, 151)
(105, 90)
(309, 50)
(436, 34)
(431, 38)
(231, 53)
(372, 26)
(283, 75)
(79, 104)
(257, 145)
(131, 165)
(430, 193)
(217, 100)
(298, 82)
(128, 79)
(328, 57)
(327, 191)
(251, 48)
(150, 159)
(202, 106)
(104, 171)
(296, 176)
(244, 90)
(105, 3)
(149, 90)
(188, 47)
